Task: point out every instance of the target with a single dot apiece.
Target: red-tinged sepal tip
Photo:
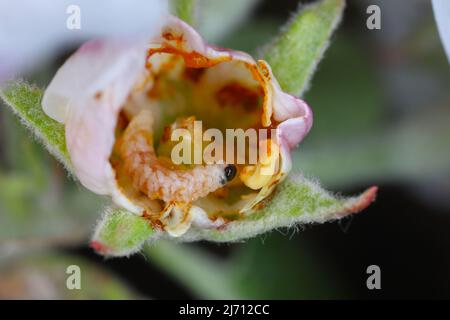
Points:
(361, 202)
(99, 247)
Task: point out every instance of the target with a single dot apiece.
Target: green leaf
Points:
(185, 10)
(120, 233)
(25, 101)
(38, 205)
(295, 53)
(60, 213)
(22, 153)
(296, 201)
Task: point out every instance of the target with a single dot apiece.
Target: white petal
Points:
(87, 94)
(91, 70)
(442, 13)
(32, 30)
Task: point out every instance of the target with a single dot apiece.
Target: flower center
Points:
(178, 90)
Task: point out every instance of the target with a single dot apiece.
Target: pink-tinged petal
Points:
(89, 70)
(294, 114)
(292, 131)
(87, 94)
(287, 106)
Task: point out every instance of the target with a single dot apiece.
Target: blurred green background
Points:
(381, 103)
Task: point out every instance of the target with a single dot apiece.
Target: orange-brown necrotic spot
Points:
(194, 74)
(170, 36)
(236, 95)
(98, 95)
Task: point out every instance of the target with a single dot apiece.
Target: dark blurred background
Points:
(381, 100)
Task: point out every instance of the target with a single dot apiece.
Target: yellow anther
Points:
(257, 176)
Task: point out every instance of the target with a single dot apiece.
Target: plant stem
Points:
(203, 274)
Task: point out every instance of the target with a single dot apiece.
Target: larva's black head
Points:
(230, 172)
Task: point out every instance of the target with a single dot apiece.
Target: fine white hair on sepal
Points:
(441, 10)
(30, 31)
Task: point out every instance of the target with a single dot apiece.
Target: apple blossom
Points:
(110, 86)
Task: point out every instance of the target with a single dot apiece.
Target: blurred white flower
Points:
(32, 30)
(442, 14)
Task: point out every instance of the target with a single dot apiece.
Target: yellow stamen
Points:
(257, 176)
